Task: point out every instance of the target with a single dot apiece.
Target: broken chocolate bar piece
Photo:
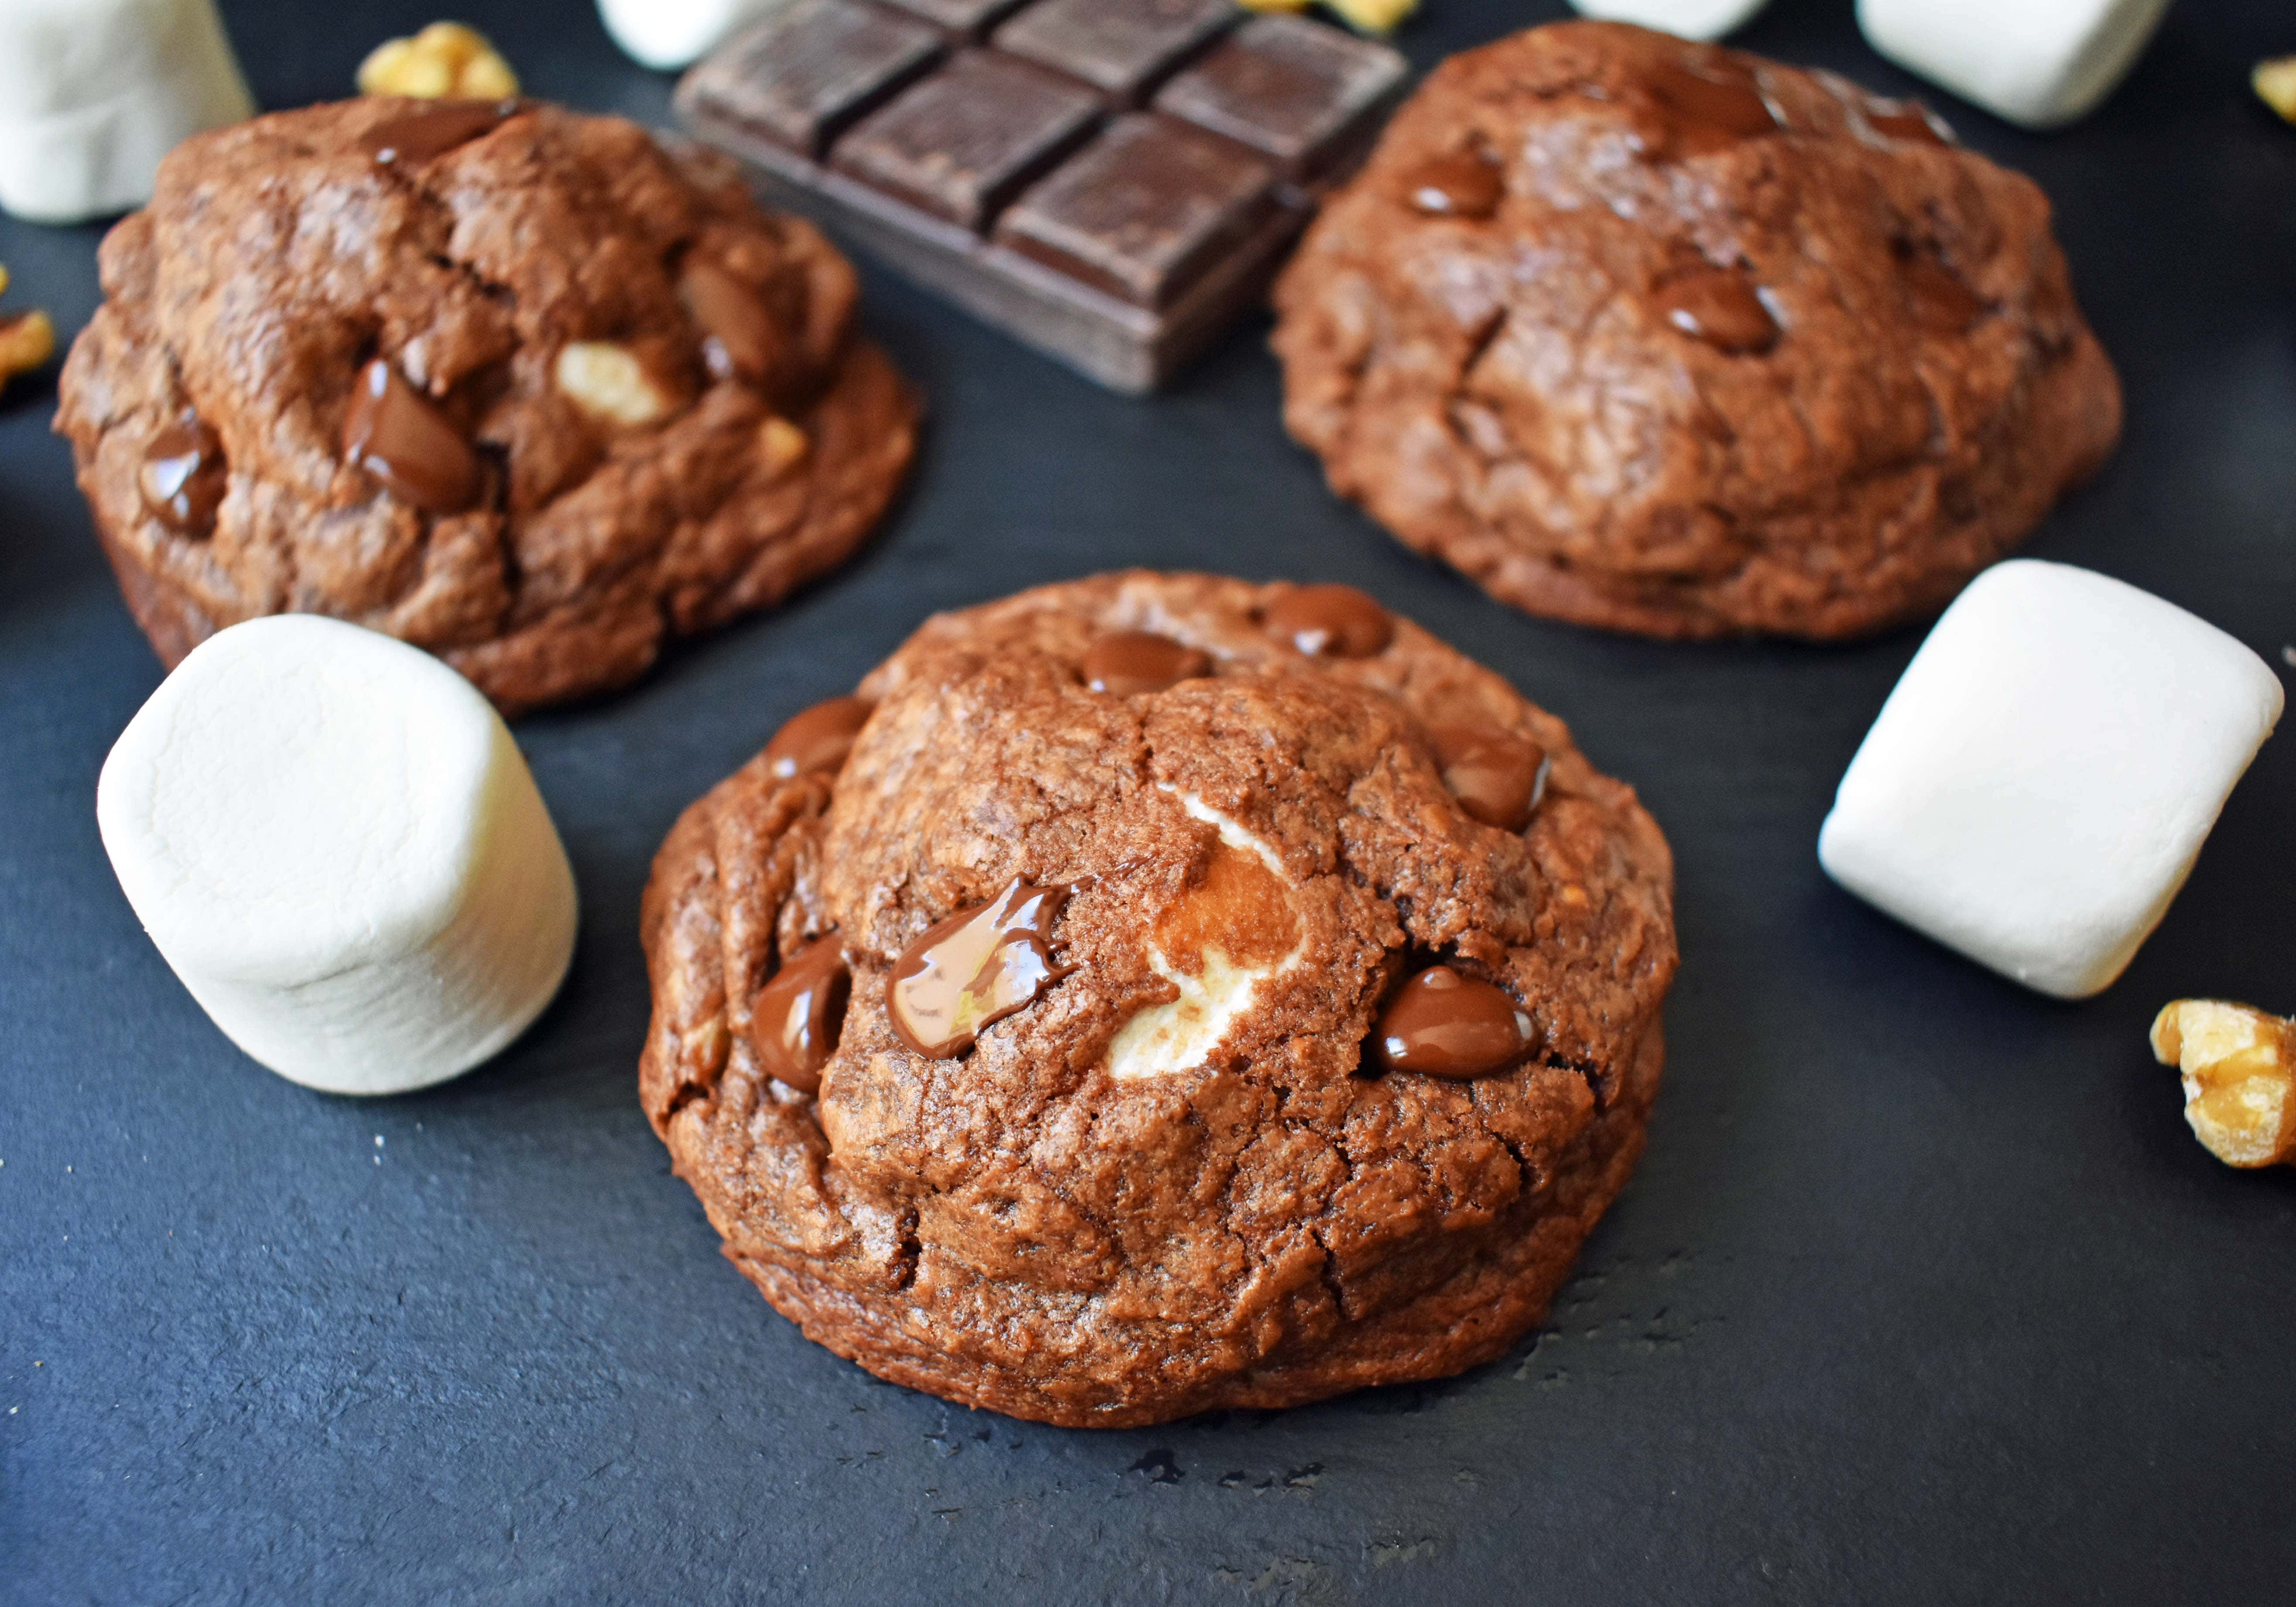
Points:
(1120, 47)
(966, 18)
(1146, 211)
(1112, 180)
(967, 139)
(1287, 88)
(815, 66)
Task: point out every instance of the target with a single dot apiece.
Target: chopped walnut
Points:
(782, 445)
(27, 340)
(608, 381)
(2237, 1062)
(1373, 16)
(2275, 85)
(1364, 16)
(446, 61)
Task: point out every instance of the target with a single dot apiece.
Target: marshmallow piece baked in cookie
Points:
(2043, 64)
(520, 386)
(333, 841)
(94, 93)
(1686, 18)
(1666, 338)
(1161, 992)
(666, 34)
(2039, 784)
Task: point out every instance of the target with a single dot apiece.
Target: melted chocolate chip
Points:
(395, 433)
(1940, 301)
(1497, 776)
(738, 337)
(817, 740)
(1906, 123)
(1464, 185)
(796, 1017)
(183, 477)
(1337, 621)
(1720, 307)
(1699, 115)
(1126, 663)
(1447, 1025)
(424, 135)
(975, 968)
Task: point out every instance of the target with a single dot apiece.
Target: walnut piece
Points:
(2237, 1062)
(27, 340)
(2275, 85)
(1364, 16)
(446, 61)
(782, 445)
(608, 382)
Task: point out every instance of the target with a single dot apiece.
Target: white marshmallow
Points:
(2039, 62)
(2039, 784)
(1689, 19)
(1215, 991)
(332, 839)
(94, 93)
(669, 34)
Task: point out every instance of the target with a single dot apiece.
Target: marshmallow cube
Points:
(2040, 781)
(2039, 62)
(669, 34)
(94, 93)
(332, 839)
(1688, 18)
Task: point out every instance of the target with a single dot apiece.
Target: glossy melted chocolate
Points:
(817, 740)
(1497, 776)
(1335, 621)
(1126, 663)
(183, 477)
(739, 339)
(976, 968)
(398, 435)
(1464, 185)
(424, 135)
(796, 1017)
(1451, 1026)
(1720, 307)
(1699, 115)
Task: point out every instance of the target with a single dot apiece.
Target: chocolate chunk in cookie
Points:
(1185, 994)
(1666, 338)
(515, 385)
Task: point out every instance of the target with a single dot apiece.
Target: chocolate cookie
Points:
(1666, 338)
(514, 384)
(1156, 993)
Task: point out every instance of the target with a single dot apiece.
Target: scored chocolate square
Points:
(968, 17)
(1296, 90)
(963, 142)
(1120, 47)
(1144, 211)
(814, 67)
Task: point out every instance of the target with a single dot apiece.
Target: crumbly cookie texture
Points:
(1666, 338)
(377, 360)
(1214, 1151)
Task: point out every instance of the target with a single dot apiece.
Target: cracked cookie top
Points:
(1668, 338)
(1160, 991)
(513, 384)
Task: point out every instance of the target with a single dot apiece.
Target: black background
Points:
(1923, 1294)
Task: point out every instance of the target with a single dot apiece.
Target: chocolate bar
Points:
(1112, 180)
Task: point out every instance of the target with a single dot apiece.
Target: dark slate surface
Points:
(1922, 1295)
